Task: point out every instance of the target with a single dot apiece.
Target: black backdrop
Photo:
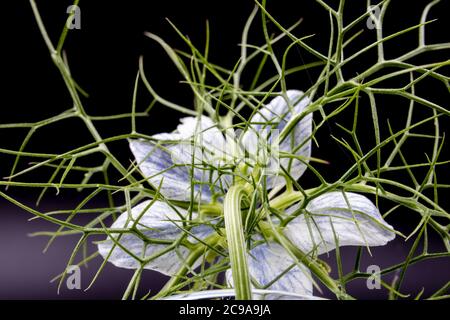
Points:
(103, 57)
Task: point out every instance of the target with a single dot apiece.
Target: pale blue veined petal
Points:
(271, 266)
(159, 221)
(164, 166)
(192, 153)
(355, 219)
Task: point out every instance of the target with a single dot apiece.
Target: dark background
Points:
(103, 57)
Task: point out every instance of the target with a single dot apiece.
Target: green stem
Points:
(236, 241)
(286, 200)
(71, 87)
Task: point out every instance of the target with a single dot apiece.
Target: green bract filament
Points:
(237, 200)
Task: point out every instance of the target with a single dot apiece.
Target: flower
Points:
(195, 163)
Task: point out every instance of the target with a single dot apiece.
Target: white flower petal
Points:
(160, 221)
(205, 131)
(268, 261)
(189, 153)
(359, 224)
(278, 112)
(166, 167)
